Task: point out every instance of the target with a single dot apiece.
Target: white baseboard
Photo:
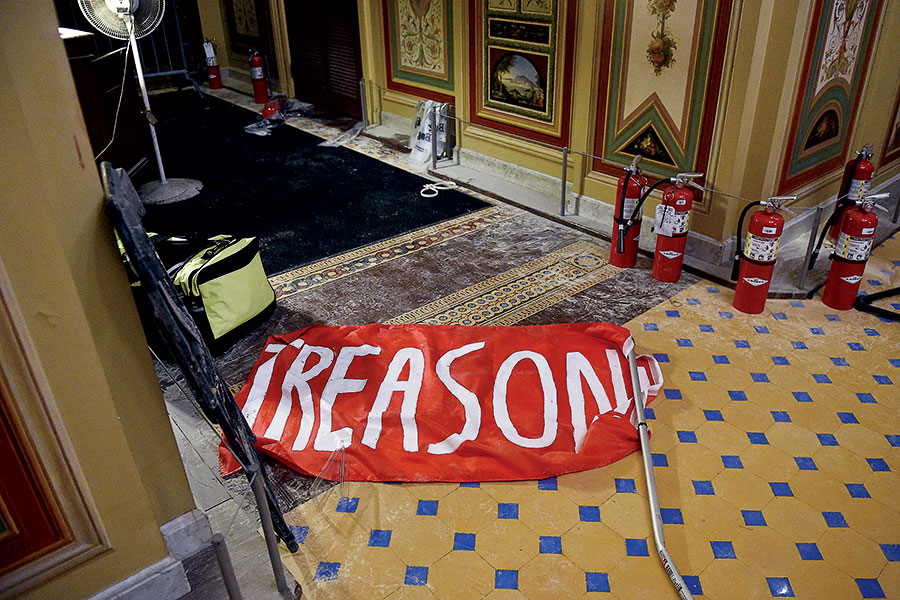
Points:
(187, 534)
(165, 580)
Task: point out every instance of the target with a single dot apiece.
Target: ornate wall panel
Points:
(521, 66)
(891, 150)
(837, 57)
(418, 41)
(661, 65)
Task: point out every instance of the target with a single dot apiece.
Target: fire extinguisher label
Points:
(853, 248)
(763, 249)
(628, 208)
(852, 279)
(858, 188)
(668, 222)
(256, 73)
(868, 230)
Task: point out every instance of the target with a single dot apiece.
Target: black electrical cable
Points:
(843, 203)
(620, 244)
(623, 232)
(736, 265)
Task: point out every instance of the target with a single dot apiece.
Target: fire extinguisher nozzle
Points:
(735, 268)
(812, 261)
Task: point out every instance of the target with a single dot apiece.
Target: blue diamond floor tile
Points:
(464, 541)
(416, 575)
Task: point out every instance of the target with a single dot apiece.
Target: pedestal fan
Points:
(130, 20)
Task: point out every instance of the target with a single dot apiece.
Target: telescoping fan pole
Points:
(129, 24)
(655, 515)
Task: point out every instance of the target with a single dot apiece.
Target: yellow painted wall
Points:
(767, 42)
(56, 246)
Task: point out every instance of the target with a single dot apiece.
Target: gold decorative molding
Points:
(32, 407)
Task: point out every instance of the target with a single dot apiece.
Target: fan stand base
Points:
(173, 190)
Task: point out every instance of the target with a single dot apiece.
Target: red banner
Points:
(445, 403)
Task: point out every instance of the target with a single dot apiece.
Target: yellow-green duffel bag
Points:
(226, 290)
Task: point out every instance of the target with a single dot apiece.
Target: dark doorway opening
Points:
(325, 54)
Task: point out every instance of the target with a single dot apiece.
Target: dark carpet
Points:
(303, 201)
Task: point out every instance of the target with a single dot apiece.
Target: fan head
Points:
(109, 16)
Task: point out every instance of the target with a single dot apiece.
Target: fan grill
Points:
(147, 17)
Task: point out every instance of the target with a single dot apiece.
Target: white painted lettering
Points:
(410, 388)
(327, 440)
(469, 401)
(578, 366)
(261, 380)
(501, 410)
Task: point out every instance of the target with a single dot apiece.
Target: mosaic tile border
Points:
(352, 262)
(514, 295)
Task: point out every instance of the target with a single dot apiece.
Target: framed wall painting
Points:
(521, 64)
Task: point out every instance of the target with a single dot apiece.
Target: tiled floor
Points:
(776, 448)
(776, 440)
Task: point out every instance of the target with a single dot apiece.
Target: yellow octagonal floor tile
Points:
(767, 461)
(507, 544)
(861, 440)
(506, 595)
(627, 514)
(385, 506)
(412, 592)
(548, 512)
(851, 552)
(467, 509)
(594, 547)
(883, 486)
(711, 516)
(741, 488)
(723, 578)
(551, 576)
(641, 577)
(842, 463)
(722, 437)
(793, 439)
(747, 416)
(695, 460)
(591, 487)
(421, 541)
(371, 572)
(819, 490)
(461, 575)
(688, 547)
(877, 521)
(794, 519)
(429, 491)
(768, 552)
(818, 579)
(509, 491)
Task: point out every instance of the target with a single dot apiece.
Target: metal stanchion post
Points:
(224, 560)
(362, 101)
(809, 247)
(434, 137)
(265, 516)
(565, 167)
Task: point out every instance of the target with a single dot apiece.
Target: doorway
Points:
(326, 60)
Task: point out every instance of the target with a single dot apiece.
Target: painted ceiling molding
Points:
(661, 65)
(837, 56)
(418, 39)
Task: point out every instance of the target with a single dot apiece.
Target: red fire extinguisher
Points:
(858, 174)
(258, 76)
(671, 227)
(754, 264)
(212, 66)
(852, 250)
(627, 216)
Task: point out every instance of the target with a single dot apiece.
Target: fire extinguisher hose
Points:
(832, 220)
(739, 252)
(623, 231)
(620, 218)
